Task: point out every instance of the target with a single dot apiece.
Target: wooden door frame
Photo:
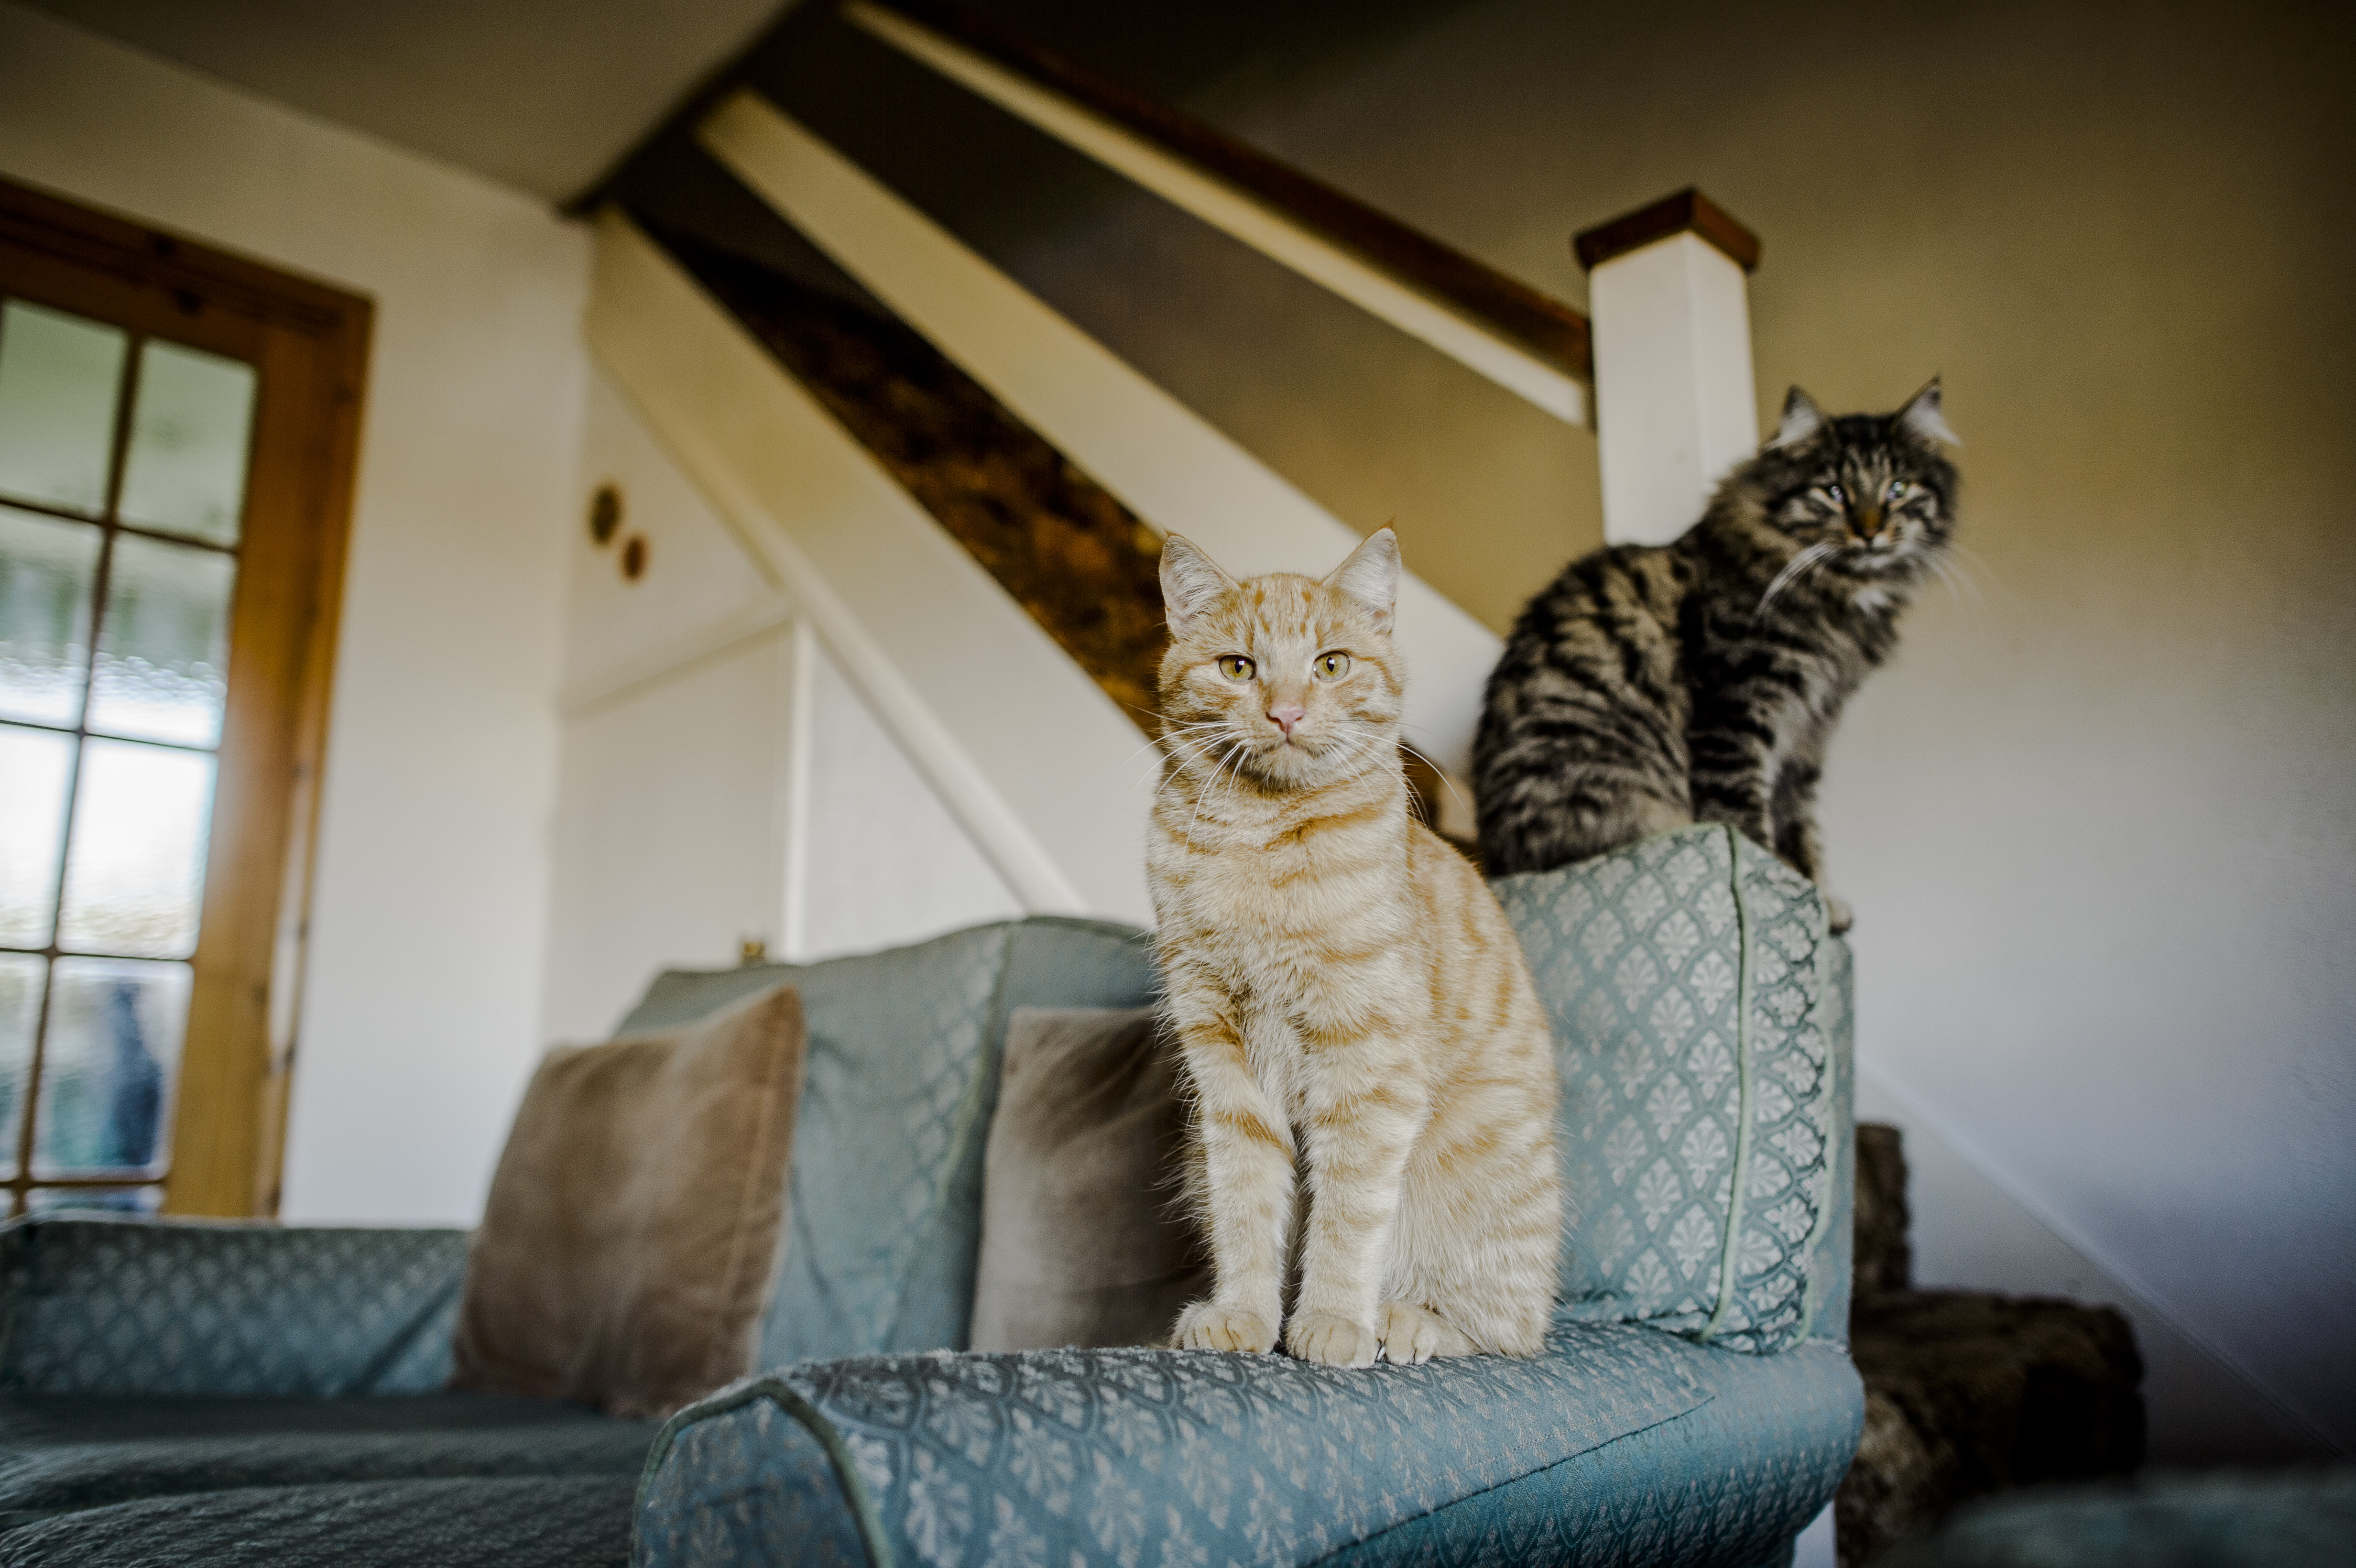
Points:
(309, 343)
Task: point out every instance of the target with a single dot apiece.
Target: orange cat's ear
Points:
(1370, 577)
(1191, 582)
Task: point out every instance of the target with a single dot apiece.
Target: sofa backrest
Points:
(884, 1213)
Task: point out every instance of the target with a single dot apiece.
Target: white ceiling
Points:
(540, 94)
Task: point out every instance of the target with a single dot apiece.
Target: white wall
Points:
(422, 1007)
(721, 779)
(670, 832)
(883, 860)
(670, 823)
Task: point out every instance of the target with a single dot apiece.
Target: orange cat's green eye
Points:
(1235, 667)
(1332, 666)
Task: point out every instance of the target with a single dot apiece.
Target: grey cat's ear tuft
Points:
(1370, 576)
(1191, 581)
(1801, 419)
(1923, 418)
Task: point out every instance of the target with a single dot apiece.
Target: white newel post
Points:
(1669, 309)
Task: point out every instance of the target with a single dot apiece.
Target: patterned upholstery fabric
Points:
(1832, 1261)
(120, 1306)
(1724, 1486)
(1686, 977)
(65, 1452)
(573, 1521)
(1620, 1444)
(885, 1216)
(1130, 1456)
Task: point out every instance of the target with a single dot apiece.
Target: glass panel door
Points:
(123, 468)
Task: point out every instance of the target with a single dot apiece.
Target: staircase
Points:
(957, 495)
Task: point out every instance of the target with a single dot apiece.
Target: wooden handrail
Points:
(1687, 211)
(1541, 325)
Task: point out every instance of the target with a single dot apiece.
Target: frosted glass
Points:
(163, 646)
(108, 1066)
(47, 568)
(20, 1015)
(190, 431)
(59, 378)
(136, 862)
(98, 1200)
(35, 767)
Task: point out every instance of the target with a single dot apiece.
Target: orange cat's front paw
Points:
(1207, 1326)
(1413, 1334)
(1331, 1339)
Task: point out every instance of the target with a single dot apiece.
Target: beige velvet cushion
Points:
(634, 1222)
(1081, 1241)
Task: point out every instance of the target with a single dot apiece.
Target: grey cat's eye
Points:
(1331, 667)
(1836, 493)
(1235, 667)
(1896, 489)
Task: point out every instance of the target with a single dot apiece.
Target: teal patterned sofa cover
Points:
(1702, 1020)
(226, 1393)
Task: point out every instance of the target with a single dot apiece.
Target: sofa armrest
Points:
(1095, 1455)
(103, 1306)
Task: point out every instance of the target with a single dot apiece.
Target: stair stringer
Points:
(1167, 464)
(1037, 764)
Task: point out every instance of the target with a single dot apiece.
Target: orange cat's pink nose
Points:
(1286, 715)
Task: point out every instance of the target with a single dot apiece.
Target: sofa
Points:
(186, 1392)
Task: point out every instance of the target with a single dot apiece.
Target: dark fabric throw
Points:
(62, 1453)
(630, 1238)
(540, 1521)
(1081, 1241)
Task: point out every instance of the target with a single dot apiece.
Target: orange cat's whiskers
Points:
(1439, 772)
(1235, 754)
(1193, 752)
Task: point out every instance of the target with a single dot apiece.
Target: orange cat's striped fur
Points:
(1373, 1084)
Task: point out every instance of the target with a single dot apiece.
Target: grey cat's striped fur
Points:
(1651, 687)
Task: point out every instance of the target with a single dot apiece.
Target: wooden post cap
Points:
(1687, 210)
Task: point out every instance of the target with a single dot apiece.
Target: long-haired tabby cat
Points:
(1652, 687)
(1372, 1080)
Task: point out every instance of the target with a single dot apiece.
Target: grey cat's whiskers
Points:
(1799, 566)
(1975, 568)
(1959, 586)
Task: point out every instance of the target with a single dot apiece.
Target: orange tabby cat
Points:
(1354, 1014)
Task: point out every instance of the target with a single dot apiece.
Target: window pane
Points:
(94, 1200)
(135, 863)
(58, 376)
(20, 1015)
(163, 648)
(34, 769)
(186, 468)
(112, 1052)
(46, 568)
